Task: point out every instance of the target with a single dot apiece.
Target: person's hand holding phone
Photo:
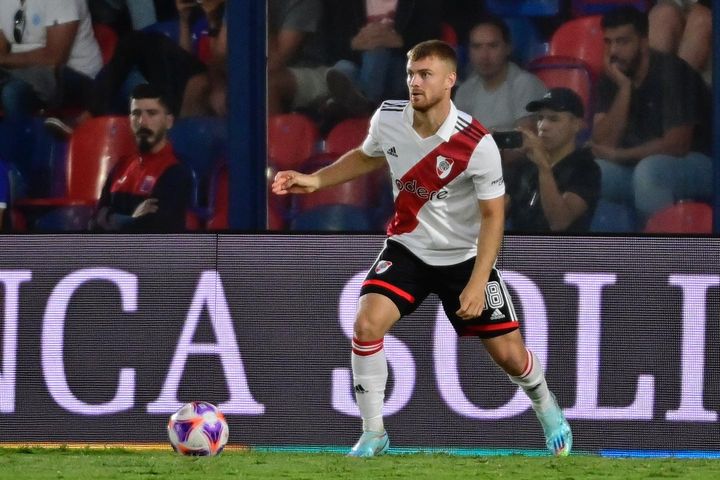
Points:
(508, 139)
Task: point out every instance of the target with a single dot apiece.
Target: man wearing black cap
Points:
(556, 187)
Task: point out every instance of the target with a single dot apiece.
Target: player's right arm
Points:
(353, 164)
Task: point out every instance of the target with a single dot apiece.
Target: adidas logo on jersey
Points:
(497, 315)
(392, 152)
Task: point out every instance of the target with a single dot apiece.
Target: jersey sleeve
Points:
(372, 146)
(61, 11)
(486, 170)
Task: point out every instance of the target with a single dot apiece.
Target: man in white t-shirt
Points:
(444, 239)
(48, 53)
(497, 90)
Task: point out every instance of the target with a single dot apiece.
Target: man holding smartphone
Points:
(556, 187)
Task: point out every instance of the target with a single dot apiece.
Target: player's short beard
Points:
(428, 105)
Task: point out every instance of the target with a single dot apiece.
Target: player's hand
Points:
(146, 206)
(472, 301)
(290, 181)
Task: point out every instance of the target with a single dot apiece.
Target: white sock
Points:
(532, 381)
(370, 374)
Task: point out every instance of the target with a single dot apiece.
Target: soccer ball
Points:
(198, 428)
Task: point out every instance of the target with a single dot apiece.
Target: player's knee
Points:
(367, 328)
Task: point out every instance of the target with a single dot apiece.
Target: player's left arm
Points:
(472, 298)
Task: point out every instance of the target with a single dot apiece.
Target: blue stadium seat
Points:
(523, 8)
(599, 7)
(169, 28)
(37, 155)
(612, 217)
(65, 219)
(200, 142)
(526, 38)
(334, 218)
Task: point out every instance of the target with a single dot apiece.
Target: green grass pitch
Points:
(119, 463)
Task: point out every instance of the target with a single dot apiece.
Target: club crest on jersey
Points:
(382, 266)
(443, 166)
(147, 184)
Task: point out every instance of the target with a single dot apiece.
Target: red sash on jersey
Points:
(427, 173)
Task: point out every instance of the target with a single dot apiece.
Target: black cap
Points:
(560, 100)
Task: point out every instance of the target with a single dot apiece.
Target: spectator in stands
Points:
(159, 59)
(369, 39)
(206, 93)
(497, 90)
(151, 190)
(556, 187)
(48, 54)
(684, 27)
(297, 58)
(652, 126)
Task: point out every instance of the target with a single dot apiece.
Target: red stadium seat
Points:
(292, 138)
(347, 135)
(448, 34)
(94, 147)
(580, 38)
(683, 217)
(107, 39)
(357, 192)
(572, 73)
(219, 199)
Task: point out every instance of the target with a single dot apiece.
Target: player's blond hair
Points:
(434, 48)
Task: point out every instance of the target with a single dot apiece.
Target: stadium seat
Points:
(200, 143)
(598, 7)
(107, 39)
(292, 138)
(572, 73)
(356, 192)
(683, 217)
(38, 155)
(612, 217)
(334, 218)
(169, 28)
(94, 147)
(346, 135)
(448, 34)
(580, 38)
(369, 193)
(219, 199)
(523, 8)
(527, 42)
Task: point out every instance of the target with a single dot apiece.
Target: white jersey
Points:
(437, 181)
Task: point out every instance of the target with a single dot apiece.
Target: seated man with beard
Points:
(149, 191)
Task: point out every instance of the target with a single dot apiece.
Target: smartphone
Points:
(509, 139)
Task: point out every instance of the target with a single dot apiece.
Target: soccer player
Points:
(443, 239)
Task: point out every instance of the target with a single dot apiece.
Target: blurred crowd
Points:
(609, 99)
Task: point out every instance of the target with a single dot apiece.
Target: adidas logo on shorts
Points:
(497, 315)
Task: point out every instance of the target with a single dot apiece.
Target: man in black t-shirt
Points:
(557, 186)
(652, 122)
